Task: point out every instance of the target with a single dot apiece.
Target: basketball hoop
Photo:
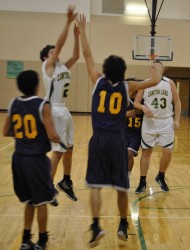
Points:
(152, 48)
(153, 57)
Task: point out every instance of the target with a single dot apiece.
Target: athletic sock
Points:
(66, 177)
(143, 178)
(161, 175)
(96, 221)
(26, 235)
(123, 221)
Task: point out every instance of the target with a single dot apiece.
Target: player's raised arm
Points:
(71, 15)
(93, 73)
(75, 56)
(156, 77)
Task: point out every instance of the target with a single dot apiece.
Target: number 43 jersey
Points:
(159, 99)
(27, 126)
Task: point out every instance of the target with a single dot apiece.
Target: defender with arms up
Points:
(107, 150)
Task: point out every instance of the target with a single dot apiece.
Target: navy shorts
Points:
(107, 163)
(31, 179)
(133, 140)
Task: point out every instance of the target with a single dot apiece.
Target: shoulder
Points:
(44, 64)
(166, 79)
(100, 80)
(11, 103)
(170, 81)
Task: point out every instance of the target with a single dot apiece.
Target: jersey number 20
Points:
(24, 126)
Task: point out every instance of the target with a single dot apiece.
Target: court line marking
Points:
(6, 146)
(136, 218)
(108, 216)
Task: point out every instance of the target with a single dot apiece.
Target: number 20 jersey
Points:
(159, 99)
(27, 125)
(109, 105)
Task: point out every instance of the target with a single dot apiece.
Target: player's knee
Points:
(58, 155)
(167, 151)
(147, 152)
(130, 154)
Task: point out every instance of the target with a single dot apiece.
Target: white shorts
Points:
(63, 123)
(157, 132)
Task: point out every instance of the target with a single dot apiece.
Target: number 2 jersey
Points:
(57, 86)
(27, 125)
(159, 99)
(109, 105)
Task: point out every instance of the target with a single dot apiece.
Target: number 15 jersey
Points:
(159, 99)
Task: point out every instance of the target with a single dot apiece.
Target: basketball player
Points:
(106, 155)
(56, 78)
(133, 132)
(159, 122)
(29, 121)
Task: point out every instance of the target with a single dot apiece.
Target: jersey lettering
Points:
(159, 103)
(134, 122)
(114, 102)
(25, 126)
(66, 89)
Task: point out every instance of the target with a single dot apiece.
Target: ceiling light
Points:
(136, 10)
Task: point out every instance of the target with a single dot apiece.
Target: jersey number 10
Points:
(114, 102)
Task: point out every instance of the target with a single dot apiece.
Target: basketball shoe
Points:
(67, 187)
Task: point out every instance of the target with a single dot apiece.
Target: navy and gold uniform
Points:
(133, 129)
(30, 165)
(106, 162)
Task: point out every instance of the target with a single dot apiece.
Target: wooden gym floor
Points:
(158, 220)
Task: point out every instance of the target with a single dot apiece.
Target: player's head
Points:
(114, 68)
(27, 82)
(158, 66)
(46, 51)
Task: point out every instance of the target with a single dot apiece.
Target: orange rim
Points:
(152, 57)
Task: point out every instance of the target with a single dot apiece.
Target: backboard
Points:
(152, 48)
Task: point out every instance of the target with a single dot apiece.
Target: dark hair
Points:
(44, 52)
(157, 61)
(114, 68)
(27, 81)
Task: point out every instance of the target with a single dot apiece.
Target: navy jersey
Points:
(27, 124)
(134, 123)
(109, 105)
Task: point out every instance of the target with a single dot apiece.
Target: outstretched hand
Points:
(81, 22)
(76, 30)
(71, 15)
